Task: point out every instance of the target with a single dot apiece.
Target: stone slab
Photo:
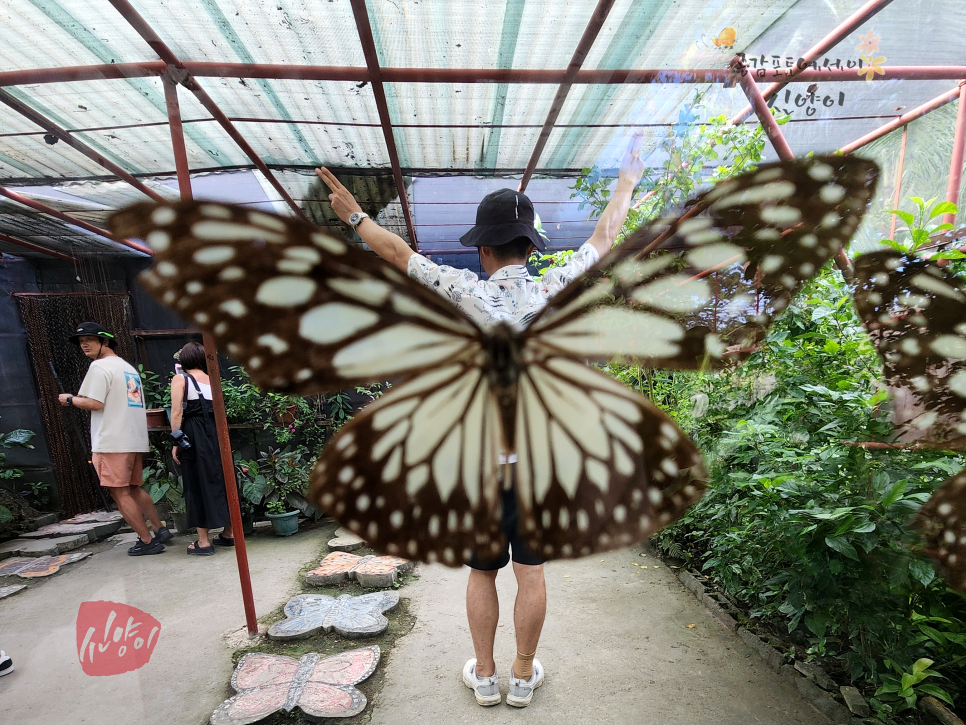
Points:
(44, 547)
(354, 617)
(12, 548)
(769, 655)
(12, 589)
(816, 696)
(345, 540)
(262, 526)
(332, 693)
(854, 701)
(95, 516)
(32, 567)
(42, 520)
(378, 572)
(93, 529)
(817, 675)
(939, 711)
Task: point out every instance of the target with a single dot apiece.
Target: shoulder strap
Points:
(188, 376)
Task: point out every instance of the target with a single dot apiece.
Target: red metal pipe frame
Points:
(895, 201)
(280, 71)
(576, 61)
(49, 126)
(214, 374)
(140, 25)
(35, 247)
(68, 219)
(379, 93)
(844, 29)
(905, 118)
(956, 163)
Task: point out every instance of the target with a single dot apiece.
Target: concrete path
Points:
(196, 599)
(616, 647)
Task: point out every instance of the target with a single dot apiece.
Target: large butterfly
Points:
(418, 472)
(321, 688)
(308, 614)
(915, 313)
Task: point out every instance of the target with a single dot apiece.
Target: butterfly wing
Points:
(347, 668)
(915, 313)
(304, 617)
(744, 250)
(942, 521)
(302, 310)
(416, 473)
(263, 682)
(329, 691)
(362, 616)
(599, 466)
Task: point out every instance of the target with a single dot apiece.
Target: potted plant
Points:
(284, 522)
(167, 487)
(157, 399)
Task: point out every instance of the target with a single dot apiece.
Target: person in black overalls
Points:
(204, 482)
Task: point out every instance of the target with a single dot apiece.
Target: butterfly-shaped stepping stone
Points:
(32, 567)
(377, 572)
(319, 687)
(345, 540)
(308, 614)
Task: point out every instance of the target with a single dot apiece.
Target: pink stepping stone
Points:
(378, 572)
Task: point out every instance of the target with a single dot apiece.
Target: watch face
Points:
(354, 218)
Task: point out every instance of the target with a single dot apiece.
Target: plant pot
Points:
(157, 418)
(288, 415)
(284, 524)
(248, 523)
(180, 519)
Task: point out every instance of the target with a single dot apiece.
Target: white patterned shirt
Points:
(510, 295)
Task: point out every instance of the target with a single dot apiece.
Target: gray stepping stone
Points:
(817, 675)
(43, 547)
(345, 540)
(355, 617)
(93, 529)
(331, 695)
(32, 567)
(9, 591)
(855, 702)
(378, 572)
(95, 516)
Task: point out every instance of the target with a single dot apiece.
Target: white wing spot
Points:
(328, 243)
(950, 346)
(416, 478)
(221, 328)
(293, 266)
(231, 274)
(820, 171)
(202, 318)
(254, 362)
(286, 291)
(783, 215)
(303, 254)
(346, 474)
(957, 383)
(335, 321)
(267, 221)
(362, 503)
(193, 287)
(830, 220)
(583, 520)
(235, 308)
(163, 215)
(563, 518)
(303, 375)
(432, 526)
(372, 531)
(396, 519)
(225, 231)
(371, 291)
(158, 240)
(166, 269)
(832, 193)
(273, 342)
(808, 241)
(214, 211)
(771, 263)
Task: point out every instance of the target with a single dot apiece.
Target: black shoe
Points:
(222, 540)
(163, 535)
(141, 549)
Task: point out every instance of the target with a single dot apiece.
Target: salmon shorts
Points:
(117, 470)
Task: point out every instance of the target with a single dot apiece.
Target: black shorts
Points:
(521, 555)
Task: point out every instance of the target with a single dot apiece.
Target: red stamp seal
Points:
(114, 638)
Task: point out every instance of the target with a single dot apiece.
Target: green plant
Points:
(161, 484)
(918, 227)
(277, 508)
(253, 483)
(156, 393)
(19, 438)
(902, 691)
(39, 494)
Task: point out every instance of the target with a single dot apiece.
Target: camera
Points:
(180, 439)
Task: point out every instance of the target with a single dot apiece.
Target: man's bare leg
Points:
(130, 510)
(483, 613)
(529, 612)
(146, 506)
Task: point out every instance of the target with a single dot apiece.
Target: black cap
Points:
(502, 216)
(93, 329)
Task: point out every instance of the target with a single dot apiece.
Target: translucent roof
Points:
(440, 124)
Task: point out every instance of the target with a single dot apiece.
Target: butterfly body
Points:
(418, 472)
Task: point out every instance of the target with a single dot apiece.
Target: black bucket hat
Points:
(502, 216)
(93, 329)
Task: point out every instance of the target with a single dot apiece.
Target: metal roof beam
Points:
(908, 117)
(576, 61)
(465, 75)
(68, 219)
(956, 163)
(844, 29)
(140, 25)
(52, 128)
(17, 242)
(379, 93)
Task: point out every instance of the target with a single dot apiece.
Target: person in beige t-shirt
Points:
(112, 392)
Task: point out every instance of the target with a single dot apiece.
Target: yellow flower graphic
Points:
(869, 44)
(872, 66)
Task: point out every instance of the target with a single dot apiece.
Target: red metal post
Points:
(768, 122)
(576, 61)
(843, 30)
(141, 26)
(379, 93)
(68, 219)
(956, 164)
(902, 159)
(35, 247)
(214, 375)
(905, 118)
(53, 128)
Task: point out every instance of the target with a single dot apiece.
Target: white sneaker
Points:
(6, 664)
(486, 689)
(521, 691)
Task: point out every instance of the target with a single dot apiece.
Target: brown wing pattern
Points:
(736, 262)
(942, 521)
(915, 313)
(302, 310)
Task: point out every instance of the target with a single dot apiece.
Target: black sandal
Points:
(193, 548)
(222, 540)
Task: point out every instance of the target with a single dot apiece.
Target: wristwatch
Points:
(356, 217)
(70, 400)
